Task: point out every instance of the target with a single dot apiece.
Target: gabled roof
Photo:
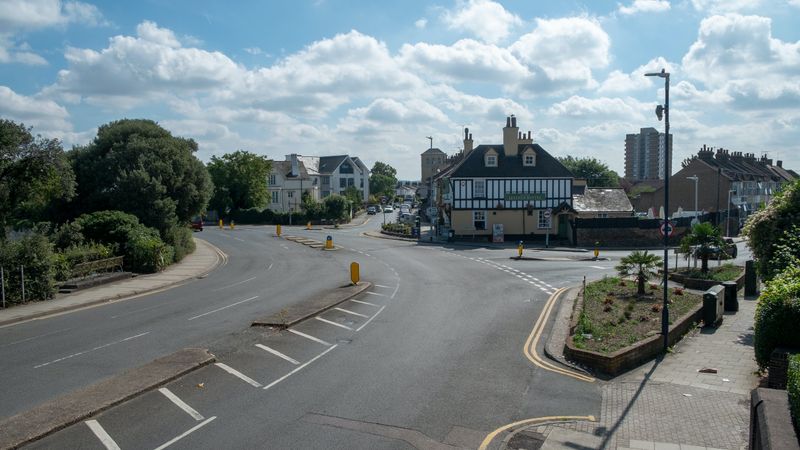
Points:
(285, 168)
(327, 164)
(432, 151)
(602, 200)
(511, 166)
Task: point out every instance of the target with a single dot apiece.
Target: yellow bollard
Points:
(232, 224)
(308, 225)
(221, 226)
(596, 250)
(520, 247)
(354, 275)
(329, 243)
(278, 230)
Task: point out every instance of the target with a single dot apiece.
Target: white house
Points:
(287, 181)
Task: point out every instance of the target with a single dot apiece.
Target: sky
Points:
(374, 79)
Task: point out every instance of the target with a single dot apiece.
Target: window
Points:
(272, 181)
(479, 220)
(275, 197)
(314, 181)
(345, 168)
(544, 220)
(361, 182)
(491, 160)
(530, 160)
(602, 215)
(326, 180)
(290, 194)
(479, 188)
(342, 182)
(351, 182)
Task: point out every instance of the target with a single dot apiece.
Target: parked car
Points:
(371, 210)
(388, 209)
(196, 224)
(406, 218)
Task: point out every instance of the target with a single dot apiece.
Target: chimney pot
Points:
(508, 122)
(513, 121)
(780, 163)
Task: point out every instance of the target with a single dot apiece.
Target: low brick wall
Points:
(627, 237)
(778, 372)
(703, 285)
(770, 421)
(634, 355)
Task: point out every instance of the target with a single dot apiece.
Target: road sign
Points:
(546, 214)
(667, 228)
(432, 211)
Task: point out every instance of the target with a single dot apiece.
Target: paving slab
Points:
(303, 310)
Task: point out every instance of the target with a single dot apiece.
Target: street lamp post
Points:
(694, 178)
(728, 220)
(665, 110)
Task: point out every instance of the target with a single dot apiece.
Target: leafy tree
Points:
(597, 173)
(34, 174)
(240, 181)
(336, 207)
(136, 166)
(382, 179)
(642, 265)
(704, 236)
(768, 225)
(354, 195)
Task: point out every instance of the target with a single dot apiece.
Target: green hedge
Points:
(793, 388)
(397, 228)
(180, 238)
(66, 259)
(777, 315)
(34, 253)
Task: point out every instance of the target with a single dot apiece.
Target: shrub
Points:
(114, 228)
(146, 253)
(65, 260)
(67, 235)
(180, 238)
(793, 389)
(34, 253)
(777, 313)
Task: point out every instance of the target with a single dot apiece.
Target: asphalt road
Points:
(430, 357)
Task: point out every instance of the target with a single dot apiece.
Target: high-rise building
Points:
(644, 155)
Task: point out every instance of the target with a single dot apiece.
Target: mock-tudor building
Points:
(517, 184)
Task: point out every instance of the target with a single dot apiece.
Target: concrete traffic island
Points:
(308, 308)
(71, 408)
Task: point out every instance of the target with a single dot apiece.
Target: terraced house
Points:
(516, 186)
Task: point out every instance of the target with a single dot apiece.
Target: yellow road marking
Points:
(530, 345)
(490, 437)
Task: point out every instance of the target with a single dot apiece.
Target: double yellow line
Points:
(530, 345)
(536, 420)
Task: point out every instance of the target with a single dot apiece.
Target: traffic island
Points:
(71, 408)
(308, 308)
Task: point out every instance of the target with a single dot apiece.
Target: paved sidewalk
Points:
(668, 403)
(202, 261)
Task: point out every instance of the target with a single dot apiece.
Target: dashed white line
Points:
(347, 311)
(240, 240)
(362, 302)
(238, 374)
(600, 267)
(234, 284)
(374, 293)
(269, 268)
(91, 350)
(308, 336)
(395, 290)
(101, 434)
(300, 367)
(181, 404)
(224, 307)
(382, 286)
(370, 319)
(333, 323)
(367, 254)
(186, 433)
(278, 354)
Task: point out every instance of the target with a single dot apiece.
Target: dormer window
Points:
(529, 158)
(491, 160)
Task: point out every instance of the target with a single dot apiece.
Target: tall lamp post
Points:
(664, 109)
(694, 178)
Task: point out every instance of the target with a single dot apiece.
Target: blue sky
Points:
(373, 79)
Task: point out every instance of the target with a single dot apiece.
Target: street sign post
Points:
(667, 228)
(547, 236)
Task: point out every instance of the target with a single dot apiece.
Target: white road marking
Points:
(278, 354)
(181, 404)
(600, 267)
(186, 433)
(299, 368)
(363, 302)
(382, 286)
(543, 289)
(370, 319)
(286, 247)
(91, 350)
(395, 290)
(101, 434)
(269, 268)
(374, 293)
(224, 307)
(350, 312)
(34, 337)
(308, 336)
(238, 374)
(234, 284)
(240, 240)
(333, 323)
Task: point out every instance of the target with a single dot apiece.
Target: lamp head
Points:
(659, 112)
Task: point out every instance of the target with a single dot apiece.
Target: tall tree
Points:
(240, 181)
(642, 265)
(136, 166)
(596, 173)
(34, 173)
(703, 238)
(382, 179)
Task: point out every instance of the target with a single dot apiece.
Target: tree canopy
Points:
(240, 181)
(596, 173)
(770, 229)
(34, 172)
(704, 237)
(136, 166)
(382, 179)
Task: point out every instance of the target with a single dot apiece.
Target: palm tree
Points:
(642, 265)
(704, 237)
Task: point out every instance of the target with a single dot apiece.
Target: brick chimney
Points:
(467, 141)
(510, 138)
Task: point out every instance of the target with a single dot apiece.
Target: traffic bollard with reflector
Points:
(308, 225)
(520, 247)
(232, 224)
(221, 226)
(329, 243)
(278, 230)
(354, 275)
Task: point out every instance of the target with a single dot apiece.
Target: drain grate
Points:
(526, 440)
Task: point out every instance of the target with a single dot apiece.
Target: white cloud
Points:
(34, 14)
(465, 60)
(423, 22)
(149, 31)
(795, 3)
(645, 6)
(599, 109)
(621, 82)
(487, 19)
(723, 6)
(253, 50)
(11, 53)
(45, 115)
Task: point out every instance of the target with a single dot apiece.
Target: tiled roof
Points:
(602, 200)
(285, 169)
(511, 166)
(327, 164)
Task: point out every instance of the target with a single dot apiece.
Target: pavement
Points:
(667, 403)
(196, 265)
